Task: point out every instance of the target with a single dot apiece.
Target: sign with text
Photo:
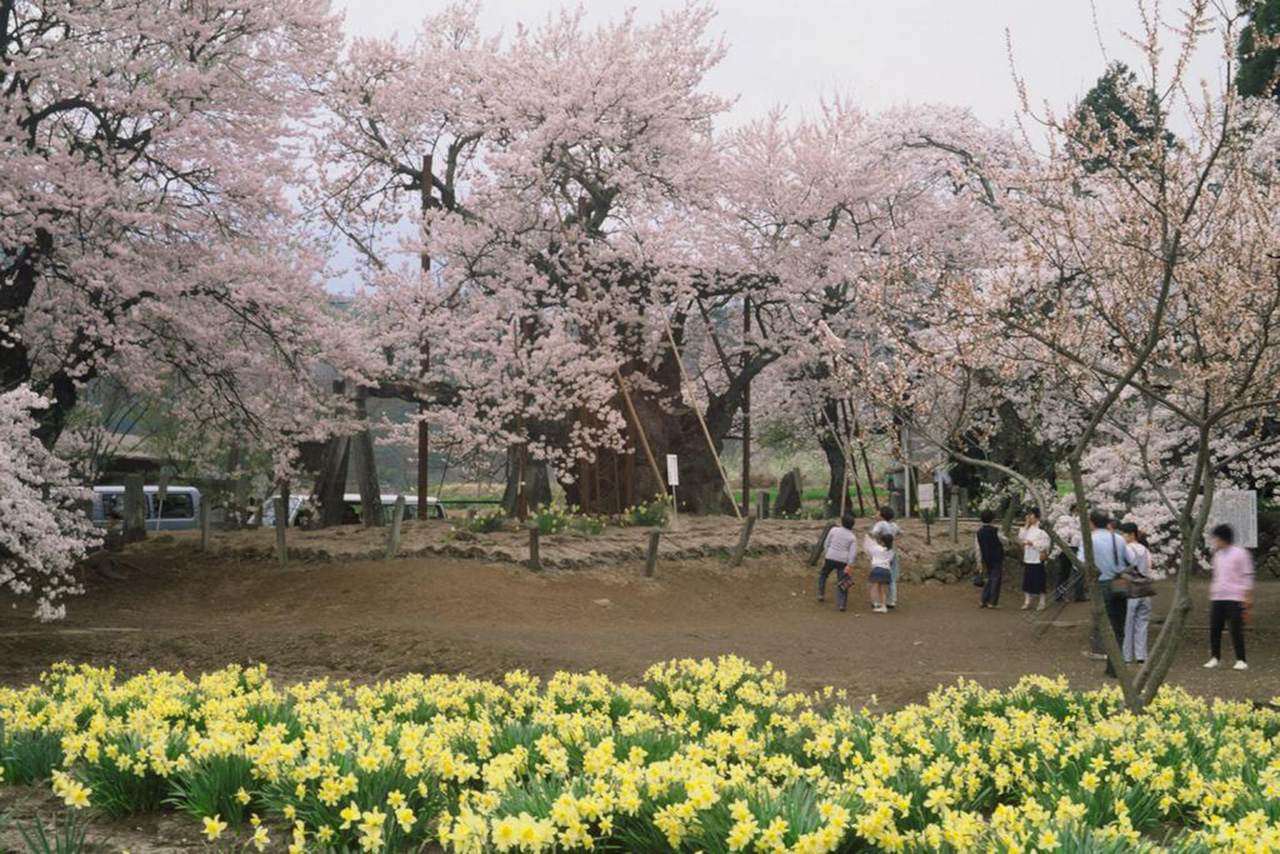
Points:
(1239, 509)
(673, 470)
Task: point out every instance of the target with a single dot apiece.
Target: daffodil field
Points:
(710, 756)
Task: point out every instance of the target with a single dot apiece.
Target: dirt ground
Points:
(371, 619)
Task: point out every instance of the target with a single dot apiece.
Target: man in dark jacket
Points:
(991, 553)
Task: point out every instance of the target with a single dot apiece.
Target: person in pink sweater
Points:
(1228, 594)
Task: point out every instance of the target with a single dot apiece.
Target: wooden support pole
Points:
(746, 410)
(711, 446)
(955, 515)
(643, 438)
(282, 521)
(740, 550)
(204, 524)
(393, 534)
(651, 554)
(535, 556)
(816, 554)
(424, 363)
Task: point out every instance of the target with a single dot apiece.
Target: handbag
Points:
(846, 581)
(1136, 585)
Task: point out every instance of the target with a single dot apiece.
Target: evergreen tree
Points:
(1257, 51)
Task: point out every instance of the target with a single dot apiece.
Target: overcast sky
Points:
(882, 52)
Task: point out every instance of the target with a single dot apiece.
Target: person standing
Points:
(991, 553)
(1035, 547)
(1111, 559)
(841, 547)
(880, 548)
(885, 526)
(1228, 594)
(1138, 619)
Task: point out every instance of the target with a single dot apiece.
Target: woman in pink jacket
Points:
(1228, 594)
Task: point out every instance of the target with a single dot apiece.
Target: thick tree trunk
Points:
(836, 462)
(366, 469)
(536, 483)
(331, 482)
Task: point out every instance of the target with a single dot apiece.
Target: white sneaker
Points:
(1211, 664)
(1241, 665)
(880, 609)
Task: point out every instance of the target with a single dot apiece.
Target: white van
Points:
(300, 506)
(180, 509)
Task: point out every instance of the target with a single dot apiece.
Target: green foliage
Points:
(1123, 112)
(122, 783)
(650, 515)
(487, 523)
(28, 757)
(67, 837)
(590, 525)
(552, 519)
(212, 786)
(1257, 51)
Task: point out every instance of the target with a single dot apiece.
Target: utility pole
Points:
(424, 364)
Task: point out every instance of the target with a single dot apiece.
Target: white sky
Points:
(882, 52)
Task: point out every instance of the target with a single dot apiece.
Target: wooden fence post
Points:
(816, 554)
(535, 557)
(393, 535)
(282, 521)
(955, 516)
(651, 555)
(740, 550)
(204, 524)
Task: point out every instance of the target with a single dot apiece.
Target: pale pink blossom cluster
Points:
(44, 533)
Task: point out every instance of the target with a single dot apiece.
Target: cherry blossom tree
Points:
(146, 230)
(559, 180)
(1125, 302)
(144, 222)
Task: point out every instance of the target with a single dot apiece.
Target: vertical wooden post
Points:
(393, 536)
(535, 556)
(135, 509)
(424, 429)
(746, 411)
(651, 554)
(740, 550)
(282, 521)
(816, 554)
(955, 515)
(204, 524)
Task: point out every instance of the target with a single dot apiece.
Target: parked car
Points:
(179, 510)
(301, 508)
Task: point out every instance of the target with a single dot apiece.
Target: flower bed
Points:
(713, 756)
